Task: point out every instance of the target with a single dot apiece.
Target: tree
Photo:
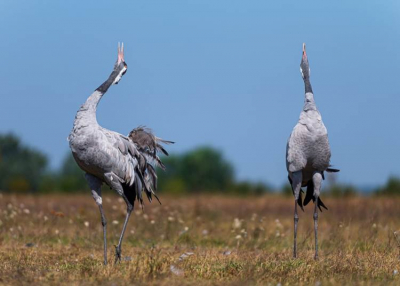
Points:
(206, 169)
(21, 167)
(171, 179)
(203, 169)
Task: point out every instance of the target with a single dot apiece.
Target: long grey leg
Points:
(113, 181)
(296, 220)
(317, 179)
(296, 186)
(128, 214)
(104, 224)
(316, 228)
(95, 186)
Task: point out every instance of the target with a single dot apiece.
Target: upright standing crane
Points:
(308, 155)
(124, 163)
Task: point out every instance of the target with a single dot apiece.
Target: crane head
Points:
(120, 66)
(304, 66)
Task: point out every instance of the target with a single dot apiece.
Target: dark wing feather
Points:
(134, 192)
(321, 204)
(148, 145)
(161, 148)
(138, 189)
(153, 175)
(330, 170)
(310, 196)
(309, 193)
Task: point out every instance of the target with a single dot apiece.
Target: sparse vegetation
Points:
(202, 240)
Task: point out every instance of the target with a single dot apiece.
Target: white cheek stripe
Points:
(119, 76)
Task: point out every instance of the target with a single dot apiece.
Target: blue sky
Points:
(220, 73)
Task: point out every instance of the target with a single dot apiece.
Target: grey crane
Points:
(308, 155)
(124, 163)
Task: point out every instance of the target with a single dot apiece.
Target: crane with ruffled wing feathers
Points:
(124, 163)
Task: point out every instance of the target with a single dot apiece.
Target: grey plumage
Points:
(148, 146)
(108, 157)
(308, 153)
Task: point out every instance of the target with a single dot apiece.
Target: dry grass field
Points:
(206, 240)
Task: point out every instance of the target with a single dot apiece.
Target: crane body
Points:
(308, 155)
(112, 158)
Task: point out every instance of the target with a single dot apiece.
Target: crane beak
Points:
(120, 53)
(304, 51)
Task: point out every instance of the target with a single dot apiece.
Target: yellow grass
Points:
(228, 241)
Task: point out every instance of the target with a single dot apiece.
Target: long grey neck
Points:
(86, 115)
(307, 85)
(309, 103)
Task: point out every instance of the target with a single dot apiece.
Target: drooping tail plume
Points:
(148, 146)
(332, 170)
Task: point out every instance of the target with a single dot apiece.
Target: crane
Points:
(308, 155)
(124, 163)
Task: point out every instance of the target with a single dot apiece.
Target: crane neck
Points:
(307, 85)
(309, 103)
(106, 85)
(86, 115)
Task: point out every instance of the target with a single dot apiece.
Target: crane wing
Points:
(125, 173)
(122, 156)
(295, 156)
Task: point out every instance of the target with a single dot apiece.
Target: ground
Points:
(205, 240)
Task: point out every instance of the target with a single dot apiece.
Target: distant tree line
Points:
(21, 167)
(204, 169)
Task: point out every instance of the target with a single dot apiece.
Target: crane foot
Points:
(117, 254)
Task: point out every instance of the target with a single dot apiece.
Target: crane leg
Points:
(316, 228)
(296, 220)
(95, 186)
(128, 214)
(104, 224)
(296, 178)
(317, 180)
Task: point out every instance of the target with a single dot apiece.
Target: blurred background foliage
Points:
(392, 187)
(204, 169)
(21, 167)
